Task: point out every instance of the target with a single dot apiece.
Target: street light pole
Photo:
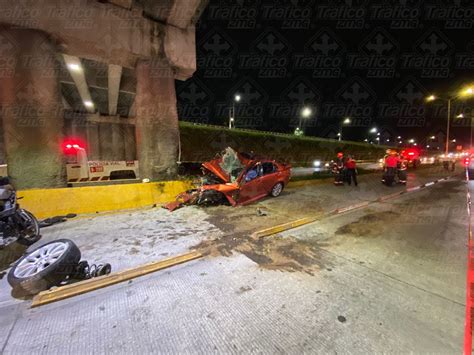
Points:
(470, 144)
(447, 127)
(346, 120)
(237, 98)
(306, 112)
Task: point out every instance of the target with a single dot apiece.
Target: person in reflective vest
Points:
(390, 166)
(338, 169)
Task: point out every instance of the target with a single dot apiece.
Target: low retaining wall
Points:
(92, 199)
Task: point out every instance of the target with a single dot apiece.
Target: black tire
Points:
(31, 239)
(51, 275)
(277, 189)
(211, 197)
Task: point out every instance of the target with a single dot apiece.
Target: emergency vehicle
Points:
(82, 171)
(412, 156)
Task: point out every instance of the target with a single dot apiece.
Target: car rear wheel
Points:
(277, 189)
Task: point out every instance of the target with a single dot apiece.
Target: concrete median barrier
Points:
(92, 199)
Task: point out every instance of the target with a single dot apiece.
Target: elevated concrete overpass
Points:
(101, 70)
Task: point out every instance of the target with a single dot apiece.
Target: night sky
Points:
(373, 61)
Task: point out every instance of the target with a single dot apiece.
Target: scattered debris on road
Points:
(56, 219)
(237, 179)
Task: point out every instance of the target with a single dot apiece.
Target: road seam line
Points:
(308, 220)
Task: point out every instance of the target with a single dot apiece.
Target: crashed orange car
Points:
(237, 179)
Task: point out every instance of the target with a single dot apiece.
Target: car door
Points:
(269, 176)
(251, 188)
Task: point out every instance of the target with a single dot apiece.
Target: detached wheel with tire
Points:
(277, 189)
(44, 267)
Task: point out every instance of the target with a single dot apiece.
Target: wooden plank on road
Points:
(96, 283)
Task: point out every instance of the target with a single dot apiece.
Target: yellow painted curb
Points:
(92, 199)
(79, 288)
(284, 227)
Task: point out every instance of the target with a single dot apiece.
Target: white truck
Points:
(81, 171)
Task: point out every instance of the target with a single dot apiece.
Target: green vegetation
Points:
(200, 143)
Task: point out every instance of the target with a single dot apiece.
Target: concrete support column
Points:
(130, 145)
(117, 141)
(156, 127)
(31, 109)
(92, 134)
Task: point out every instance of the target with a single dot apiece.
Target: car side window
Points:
(253, 173)
(268, 168)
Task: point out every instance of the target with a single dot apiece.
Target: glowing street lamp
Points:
(463, 93)
(237, 98)
(298, 131)
(346, 121)
(305, 113)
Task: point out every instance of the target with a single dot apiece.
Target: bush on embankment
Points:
(201, 142)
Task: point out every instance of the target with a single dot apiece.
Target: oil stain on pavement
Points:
(274, 253)
(370, 225)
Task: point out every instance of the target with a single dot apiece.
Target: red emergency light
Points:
(467, 161)
(71, 145)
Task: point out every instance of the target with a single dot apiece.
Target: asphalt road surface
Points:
(386, 278)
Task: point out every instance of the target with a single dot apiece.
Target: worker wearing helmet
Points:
(390, 167)
(338, 169)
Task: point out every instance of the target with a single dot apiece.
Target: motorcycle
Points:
(16, 224)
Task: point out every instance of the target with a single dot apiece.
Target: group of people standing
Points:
(344, 170)
(394, 164)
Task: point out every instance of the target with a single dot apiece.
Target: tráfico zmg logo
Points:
(432, 56)
(406, 106)
(216, 55)
(300, 93)
(377, 55)
(355, 99)
(238, 14)
(292, 14)
(456, 14)
(401, 15)
(249, 111)
(323, 55)
(194, 100)
(269, 55)
(348, 14)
